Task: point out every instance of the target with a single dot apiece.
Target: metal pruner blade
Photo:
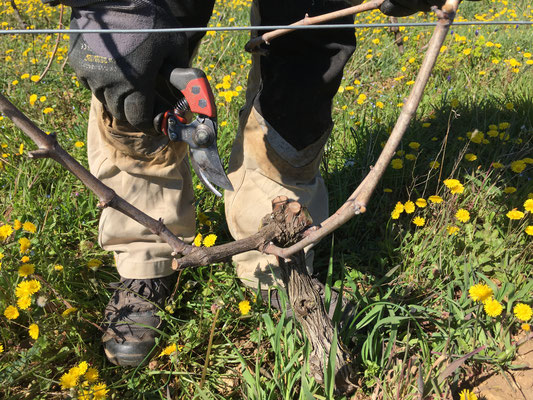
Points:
(201, 137)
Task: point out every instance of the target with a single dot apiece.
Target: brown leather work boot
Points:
(131, 323)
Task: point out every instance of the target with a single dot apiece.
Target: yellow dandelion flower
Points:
(435, 199)
(509, 189)
(79, 144)
(198, 240)
(26, 269)
(91, 375)
(529, 230)
(419, 221)
(1, 348)
(11, 312)
(528, 205)
(470, 157)
(33, 331)
(409, 207)
(462, 215)
(244, 307)
(5, 230)
(17, 225)
(24, 289)
(69, 311)
(84, 394)
(497, 165)
(29, 227)
(75, 371)
(68, 381)
(480, 292)
(33, 99)
(48, 110)
(434, 164)
(523, 312)
(518, 166)
(168, 350)
(421, 203)
(387, 190)
(452, 230)
(82, 367)
(397, 163)
(515, 214)
(399, 207)
(395, 214)
(25, 245)
(210, 240)
(454, 185)
(467, 395)
(25, 259)
(24, 302)
(99, 391)
(525, 327)
(34, 286)
(492, 307)
(58, 267)
(410, 157)
(94, 263)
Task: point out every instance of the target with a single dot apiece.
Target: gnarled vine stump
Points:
(307, 304)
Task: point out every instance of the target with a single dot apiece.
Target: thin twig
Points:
(253, 44)
(45, 71)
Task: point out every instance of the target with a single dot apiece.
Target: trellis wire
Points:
(248, 28)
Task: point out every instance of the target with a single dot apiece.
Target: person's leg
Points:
(284, 126)
(153, 174)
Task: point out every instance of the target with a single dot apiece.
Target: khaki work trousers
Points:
(153, 174)
(294, 86)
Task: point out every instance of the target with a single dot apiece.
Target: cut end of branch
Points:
(40, 153)
(102, 204)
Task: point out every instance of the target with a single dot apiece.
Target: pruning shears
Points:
(200, 134)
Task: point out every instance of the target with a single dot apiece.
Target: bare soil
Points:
(513, 384)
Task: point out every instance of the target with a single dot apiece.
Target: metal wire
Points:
(249, 28)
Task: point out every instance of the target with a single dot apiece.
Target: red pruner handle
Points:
(195, 87)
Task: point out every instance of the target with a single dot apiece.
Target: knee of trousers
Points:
(153, 175)
(263, 166)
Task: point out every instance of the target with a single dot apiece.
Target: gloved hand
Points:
(122, 69)
(401, 8)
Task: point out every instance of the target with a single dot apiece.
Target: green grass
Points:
(409, 284)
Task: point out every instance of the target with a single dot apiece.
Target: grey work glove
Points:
(122, 69)
(401, 8)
